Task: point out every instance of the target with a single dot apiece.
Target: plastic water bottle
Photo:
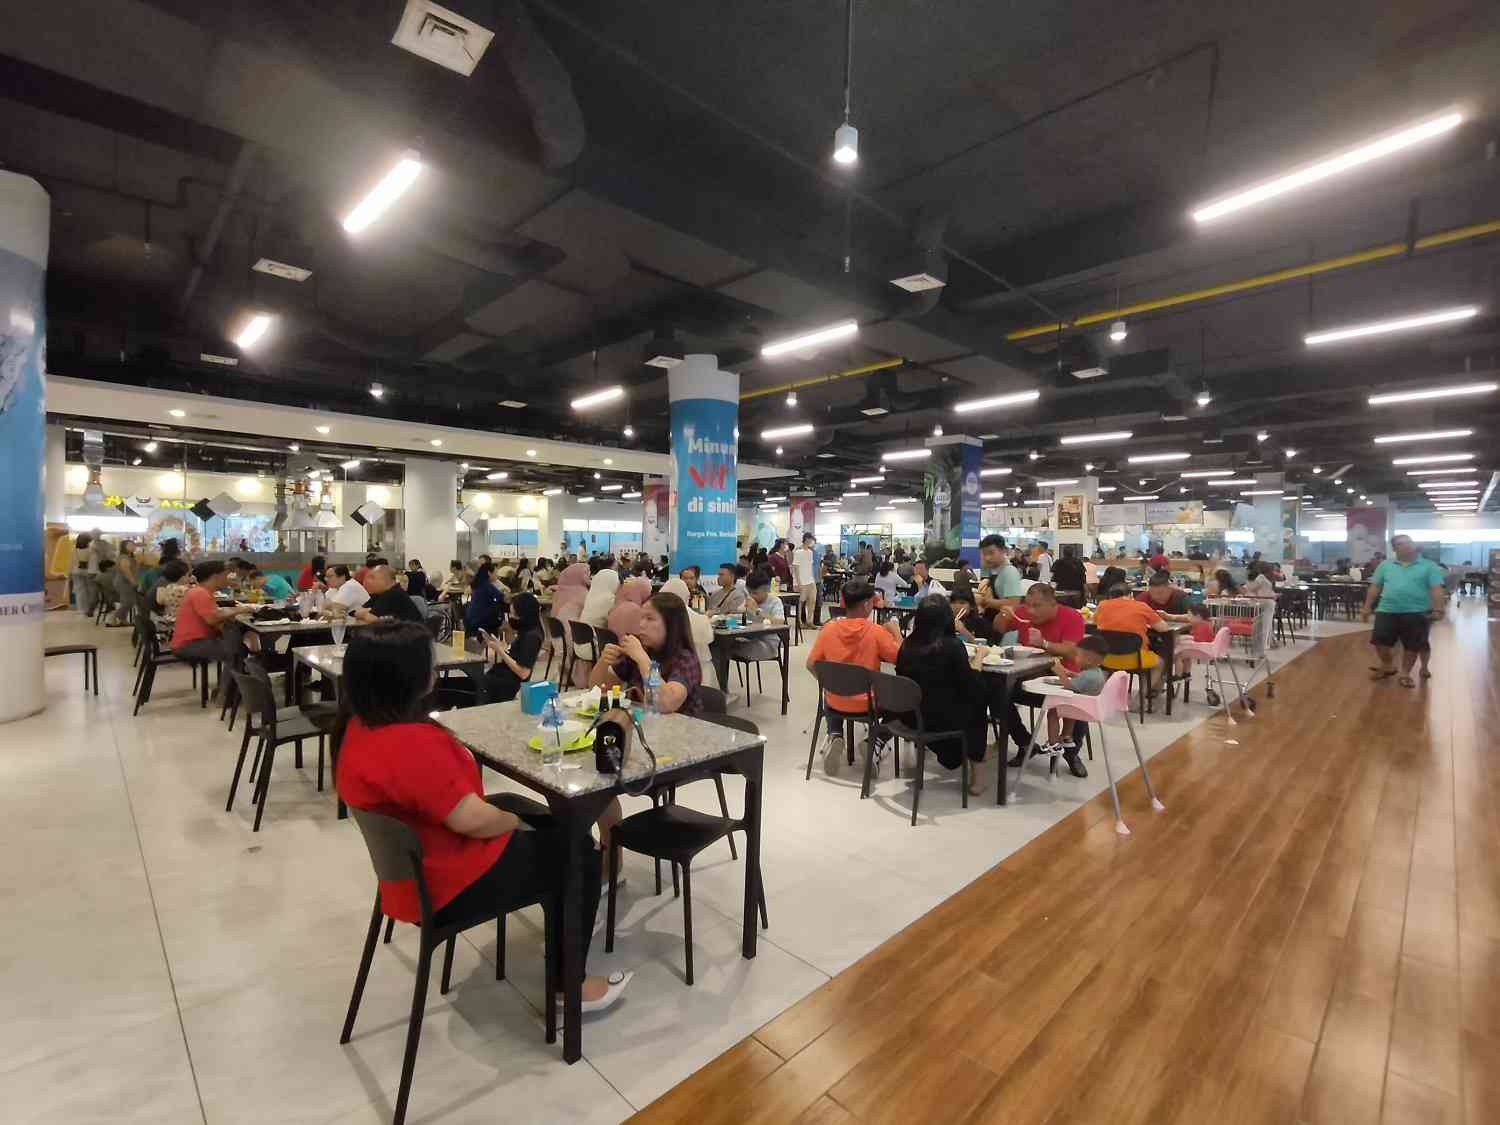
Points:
(552, 721)
(653, 686)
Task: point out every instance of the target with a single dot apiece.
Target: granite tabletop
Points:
(329, 659)
(498, 733)
(306, 625)
(753, 630)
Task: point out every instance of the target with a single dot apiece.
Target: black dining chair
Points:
(396, 854)
(850, 680)
(153, 656)
(672, 832)
(1122, 643)
(743, 664)
(557, 645)
(272, 727)
(897, 697)
(580, 634)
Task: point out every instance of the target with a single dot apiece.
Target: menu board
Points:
(1178, 513)
(1070, 511)
(1117, 515)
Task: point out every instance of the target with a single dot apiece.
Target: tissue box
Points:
(534, 696)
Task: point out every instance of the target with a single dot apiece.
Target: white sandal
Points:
(618, 982)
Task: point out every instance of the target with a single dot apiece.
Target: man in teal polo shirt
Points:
(1406, 596)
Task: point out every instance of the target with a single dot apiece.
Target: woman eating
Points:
(663, 636)
(953, 695)
(475, 855)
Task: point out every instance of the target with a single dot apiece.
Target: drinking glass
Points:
(338, 631)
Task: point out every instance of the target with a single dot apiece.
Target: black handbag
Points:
(616, 735)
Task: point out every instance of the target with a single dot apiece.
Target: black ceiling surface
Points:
(617, 171)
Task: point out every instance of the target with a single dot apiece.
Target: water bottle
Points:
(552, 721)
(653, 686)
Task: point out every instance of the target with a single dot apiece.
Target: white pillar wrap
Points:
(429, 502)
(25, 226)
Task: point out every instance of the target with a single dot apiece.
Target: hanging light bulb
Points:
(791, 398)
(846, 136)
(778, 451)
(1205, 396)
(937, 431)
(846, 144)
(1290, 453)
(1118, 331)
(629, 430)
(1088, 466)
(1262, 435)
(1034, 455)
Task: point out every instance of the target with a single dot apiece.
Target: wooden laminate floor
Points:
(1310, 934)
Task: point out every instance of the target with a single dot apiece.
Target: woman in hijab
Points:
(626, 613)
(601, 599)
(572, 590)
(702, 628)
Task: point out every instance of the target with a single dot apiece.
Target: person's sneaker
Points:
(833, 755)
(1075, 763)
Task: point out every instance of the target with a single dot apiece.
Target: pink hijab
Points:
(572, 588)
(625, 617)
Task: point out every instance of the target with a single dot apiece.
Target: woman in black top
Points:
(952, 693)
(513, 665)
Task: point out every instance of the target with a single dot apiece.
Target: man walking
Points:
(1406, 596)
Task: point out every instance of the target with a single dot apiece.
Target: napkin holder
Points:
(534, 696)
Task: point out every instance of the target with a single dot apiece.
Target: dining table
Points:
(686, 749)
(722, 649)
(1009, 674)
(300, 634)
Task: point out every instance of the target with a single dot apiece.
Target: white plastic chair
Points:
(1215, 654)
(1110, 704)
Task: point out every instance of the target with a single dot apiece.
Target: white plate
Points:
(995, 660)
(1026, 650)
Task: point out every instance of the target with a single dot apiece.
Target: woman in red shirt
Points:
(394, 761)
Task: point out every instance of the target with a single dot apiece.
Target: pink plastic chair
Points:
(1215, 654)
(1111, 703)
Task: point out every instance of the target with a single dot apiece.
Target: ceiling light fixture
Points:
(1037, 501)
(150, 447)
(598, 398)
(1209, 473)
(512, 403)
(1090, 439)
(801, 429)
(294, 447)
(906, 455)
(250, 335)
(1107, 488)
(1204, 396)
(1151, 458)
(628, 431)
(630, 496)
(1118, 331)
(937, 431)
(1317, 469)
(1227, 481)
(552, 492)
(1438, 392)
(1447, 483)
(992, 495)
(1330, 166)
(778, 451)
(1018, 398)
(1034, 455)
(995, 472)
(585, 499)
(611, 487)
(857, 481)
(1289, 453)
(1261, 492)
(1457, 469)
(852, 495)
(437, 441)
(1088, 466)
(135, 461)
(846, 136)
(499, 475)
(1396, 324)
(598, 475)
(377, 391)
(1061, 481)
(351, 464)
(1425, 435)
(323, 429)
(531, 453)
(1262, 435)
(791, 398)
(840, 331)
(1435, 459)
(390, 188)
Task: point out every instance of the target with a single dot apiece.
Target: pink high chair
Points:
(1215, 654)
(1110, 704)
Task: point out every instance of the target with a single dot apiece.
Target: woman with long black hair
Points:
(395, 761)
(486, 601)
(953, 695)
(664, 636)
(513, 664)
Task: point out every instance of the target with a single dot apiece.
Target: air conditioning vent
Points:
(223, 360)
(918, 282)
(441, 36)
(873, 411)
(281, 269)
(1089, 372)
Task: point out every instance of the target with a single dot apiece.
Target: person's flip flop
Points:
(1382, 674)
(1426, 675)
(1407, 681)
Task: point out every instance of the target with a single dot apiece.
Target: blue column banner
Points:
(950, 492)
(25, 214)
(705, 459)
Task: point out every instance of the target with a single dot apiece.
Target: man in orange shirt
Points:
(1118, 612)
(852, 639)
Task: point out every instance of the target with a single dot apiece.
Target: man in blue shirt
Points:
(273, 586)
(1406, 596)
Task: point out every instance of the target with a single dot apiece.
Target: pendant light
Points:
(846, 136)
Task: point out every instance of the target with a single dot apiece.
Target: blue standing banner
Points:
(705, 458)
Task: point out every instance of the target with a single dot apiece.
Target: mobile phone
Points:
(484, 635)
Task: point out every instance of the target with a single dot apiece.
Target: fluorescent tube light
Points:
(1056, 483)
(552, 492)
(1331, 166)
(856, 481)
(1149, 458)
(992, 495)
(585, 499)
(1433, 459)
(1089, 439)
(1427, 435)
(1457, 470)
(1036, 501)
(839, 331)
(851, 495)
(1447, 483)
(630, 496)
(1153, 496)
(608, 394)
(906, 455)
(786, 431)
(1233, 480)
(1438, 392)
(1396, 324)
(995, 472)
(391, 187)
(253, 331)
(611, 488)
(346, 465)
(1261, 492)
(1017, 399)
(1208, 473)
(1107, 488)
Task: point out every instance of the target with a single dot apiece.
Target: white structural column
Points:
(429, 501)
(56, 474)
(1266, 520)
(25, 222)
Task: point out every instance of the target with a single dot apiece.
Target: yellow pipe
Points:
(826, 377)
(1373, 254)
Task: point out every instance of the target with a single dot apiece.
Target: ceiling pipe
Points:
(204, 251)
(1258, 281)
